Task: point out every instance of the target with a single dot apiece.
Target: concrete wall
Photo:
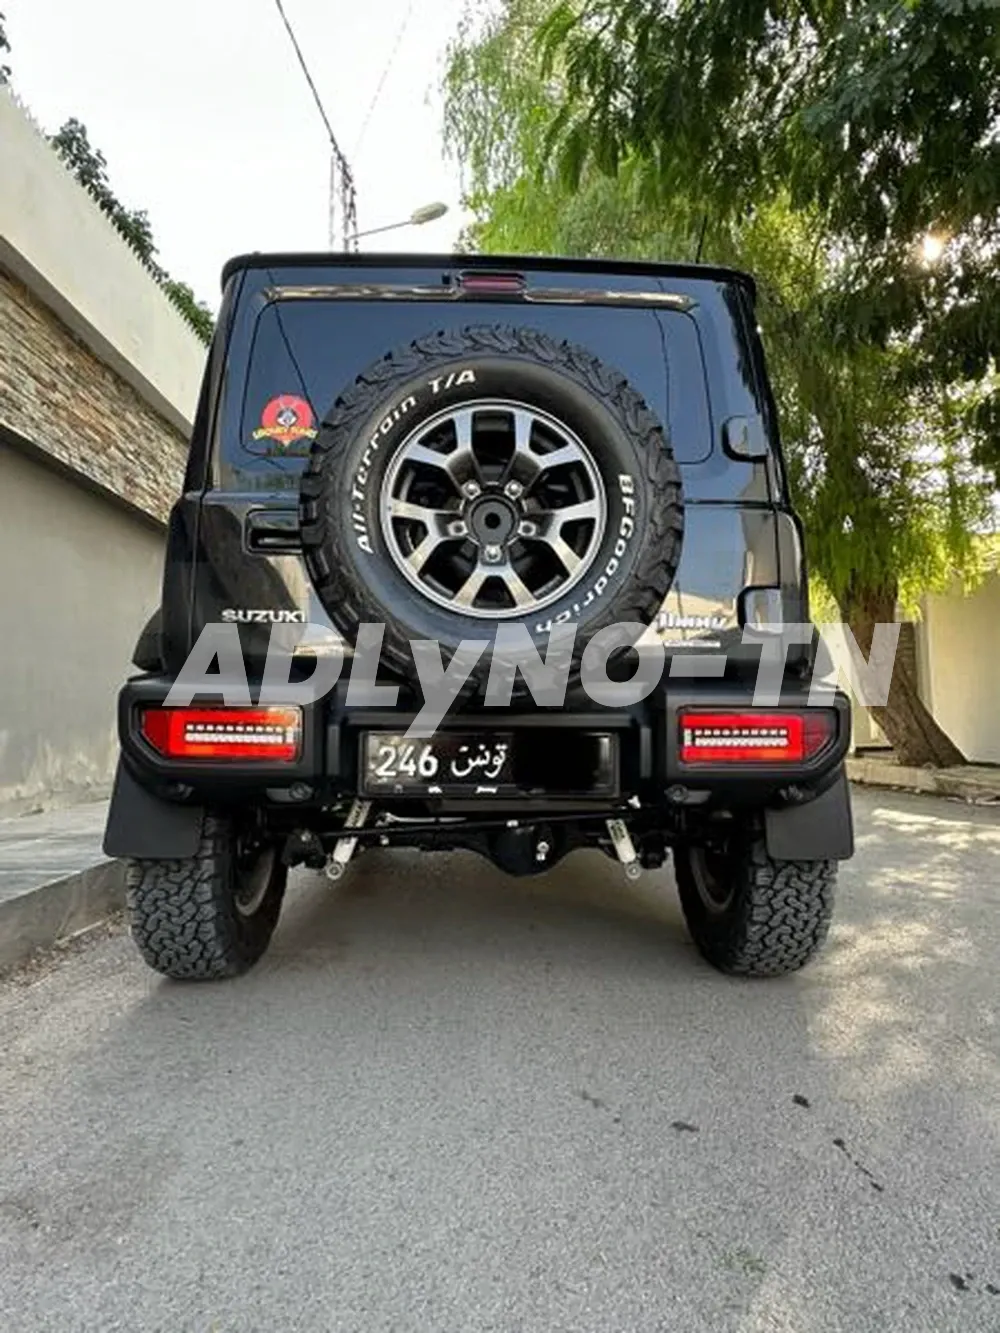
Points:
(959, 655)
(957, 649)
(80, 575)
(867, 734)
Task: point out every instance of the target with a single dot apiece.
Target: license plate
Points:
(447, 763)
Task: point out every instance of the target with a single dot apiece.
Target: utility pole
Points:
(348, 205)
(332, 236)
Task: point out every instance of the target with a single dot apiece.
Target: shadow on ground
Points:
(449, 1100)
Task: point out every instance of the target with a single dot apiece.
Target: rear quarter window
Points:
(305, 353)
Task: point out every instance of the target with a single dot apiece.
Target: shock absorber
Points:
(624, 847)
(343, 848)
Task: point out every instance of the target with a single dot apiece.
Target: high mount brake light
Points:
(492, 284)
(754, 738)
(241, 734)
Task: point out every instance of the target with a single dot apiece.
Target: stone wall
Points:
(56, 241)
(57, 395)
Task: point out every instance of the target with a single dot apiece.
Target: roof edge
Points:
(546, 263)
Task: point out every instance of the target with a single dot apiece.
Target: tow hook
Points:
(625, 848)
(343, 848)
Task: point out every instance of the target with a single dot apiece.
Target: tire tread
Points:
(182, 915)
(779, 920)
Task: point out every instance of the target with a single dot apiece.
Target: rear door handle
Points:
(272, 532)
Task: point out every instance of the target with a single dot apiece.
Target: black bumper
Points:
(806, 802)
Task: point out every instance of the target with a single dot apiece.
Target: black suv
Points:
(492, 554)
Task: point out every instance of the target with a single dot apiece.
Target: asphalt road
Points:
(448, 1101)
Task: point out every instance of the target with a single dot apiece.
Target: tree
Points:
(89, 166)
(882, 115)
(879, 449)
(4, 47)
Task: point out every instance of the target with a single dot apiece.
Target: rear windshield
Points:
(305, 353)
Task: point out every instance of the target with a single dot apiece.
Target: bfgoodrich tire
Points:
(208, 916)
(750, 915)
(485, 477)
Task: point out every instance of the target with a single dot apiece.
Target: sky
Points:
(206, 121)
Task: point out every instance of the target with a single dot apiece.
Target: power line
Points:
(385, 74)
(339, 166)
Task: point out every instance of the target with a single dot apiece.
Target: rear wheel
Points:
(210, 915)
(750, 915)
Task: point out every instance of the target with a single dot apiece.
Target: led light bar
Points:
(752, 737)
(241, 734)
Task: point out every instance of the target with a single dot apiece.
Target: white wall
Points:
(55, 240)
(958, 671)
(960, 661)
(79, 577)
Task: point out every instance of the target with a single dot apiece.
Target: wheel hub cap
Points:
(493, 509)
(491, 521)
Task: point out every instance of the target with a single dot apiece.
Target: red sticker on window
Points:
(286, 419)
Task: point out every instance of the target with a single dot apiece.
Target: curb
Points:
(44, 916)
(979, 789)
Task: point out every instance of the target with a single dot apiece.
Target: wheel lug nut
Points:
(457, 528)
(513, 490)
(471, 489)
(527, 529)
(493, 554)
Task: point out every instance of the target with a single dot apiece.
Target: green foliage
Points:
(89, 166)
(4, 47)
(499, 107)
(880, 116)
(194, 311)
(879, 459)
(556, 119)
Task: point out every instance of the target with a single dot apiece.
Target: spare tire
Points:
(489, 476)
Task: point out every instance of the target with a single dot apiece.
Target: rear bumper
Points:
(158, 803)
(646, 742)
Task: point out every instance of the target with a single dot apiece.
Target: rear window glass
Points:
(305, 353)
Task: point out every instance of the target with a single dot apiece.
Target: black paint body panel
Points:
(698, 370)
(684, 335)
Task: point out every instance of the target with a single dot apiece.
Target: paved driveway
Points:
(450, 1101)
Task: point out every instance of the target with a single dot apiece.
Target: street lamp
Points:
(419, 216)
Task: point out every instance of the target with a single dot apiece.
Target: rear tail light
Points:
(754, 738)
(240, 734)
(492, 284)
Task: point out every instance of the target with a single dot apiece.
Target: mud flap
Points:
(821, 830)
(144, 828)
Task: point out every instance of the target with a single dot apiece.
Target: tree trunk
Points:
(915, 737)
